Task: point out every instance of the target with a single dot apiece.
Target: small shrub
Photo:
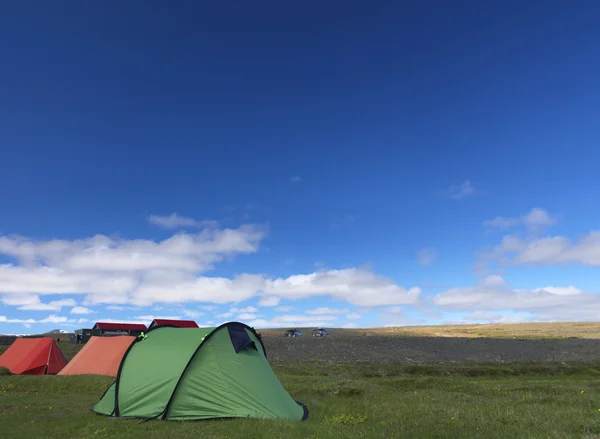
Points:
(4, 371)
(347, 419)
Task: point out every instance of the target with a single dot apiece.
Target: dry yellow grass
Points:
(590, 330)
(518, 330)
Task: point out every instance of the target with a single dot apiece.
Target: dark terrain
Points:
(432, 350)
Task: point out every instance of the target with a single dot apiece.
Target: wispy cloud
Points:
(175, 221)
(269, 301)
(148, 319)
(427, 256)
(120, 308)
(551, 250)
(551, 303)
(192, 314)
(294, 320)
(81, 310)
(321, 311)
(462, 191)
(50, 319)
(536, 218)
(295, 179)
(247, 309)
(342, 221)
(32, 302)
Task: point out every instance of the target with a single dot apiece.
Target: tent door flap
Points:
(240, 338)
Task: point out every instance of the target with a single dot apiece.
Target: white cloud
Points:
(547, 303)
(32, 302)
(353, 316)
(243, 310)
(394, 309)
(4, 319)
(144, 273)
(175, 221)
(357, 286)
(148, 319)
(549, 250)
(295, 179)
(302, 318)
(399, 321)
(487, 317)
(269, 301)
(192, 314)
(81, 310)
(225, 315)
(349, 325)
(71, 265)
(55, 319)
(209, 307)
(110, 268)
(320, 311)
(301, 321)
(284, 308)
(427, 256)
(246, 316)
(536, 218)
(463, 190)
(50, 319)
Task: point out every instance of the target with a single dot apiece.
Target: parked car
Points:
(293, 333)
(319, 332)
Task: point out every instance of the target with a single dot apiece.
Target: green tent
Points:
(198, 373)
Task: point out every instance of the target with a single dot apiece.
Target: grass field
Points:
(367, 401)
(517, 400)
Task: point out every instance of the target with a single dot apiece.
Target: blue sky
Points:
(291, 165)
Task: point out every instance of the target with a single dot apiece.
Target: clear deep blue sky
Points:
(114, 111)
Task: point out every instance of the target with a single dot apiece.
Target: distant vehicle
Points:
(320, 332)
(293, 333)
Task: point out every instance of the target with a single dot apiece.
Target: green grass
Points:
(351, 401)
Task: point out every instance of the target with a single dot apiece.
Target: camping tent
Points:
(178, 323)
(100, 356)
(203, 373)
(33, 356)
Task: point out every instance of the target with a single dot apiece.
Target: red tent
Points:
(33, 356)
(178, 323)
(120, 326)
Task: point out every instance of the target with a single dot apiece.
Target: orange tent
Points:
(100, 356)
(33, 356)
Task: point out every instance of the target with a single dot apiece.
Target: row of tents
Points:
(170, 373)
(115, 328)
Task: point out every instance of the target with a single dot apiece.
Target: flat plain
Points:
(475, 381)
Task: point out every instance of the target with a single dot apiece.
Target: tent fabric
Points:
(100, 356)
(193, 374)
(33, 356)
